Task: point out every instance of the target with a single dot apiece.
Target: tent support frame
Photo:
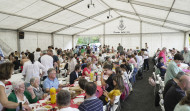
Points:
(50, 14)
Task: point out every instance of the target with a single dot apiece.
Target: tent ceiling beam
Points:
(153, 18)
(50, 14)
(34, 19)
(83, 20)
(11, 14)
(109, 7)
(159, 7)
(96, 26)
(163, 26)
(68, 9)
(169, 12)
(135, 11)
(153, 24)
(82, 15)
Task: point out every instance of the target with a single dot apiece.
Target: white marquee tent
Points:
(160, 23)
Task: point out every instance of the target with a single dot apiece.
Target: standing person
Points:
(6, 70)
(82, 50)
(163, 54)
(72, 64)
(146, 56)
(47, 62)
(186, 55)
(32, 69)
(120, 48)
(146, 46)
(37, 54)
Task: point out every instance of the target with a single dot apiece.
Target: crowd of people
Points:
(176, 90)
(80, 62)
(120, 65)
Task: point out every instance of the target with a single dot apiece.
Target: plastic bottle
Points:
(91, 76)
(53, 95)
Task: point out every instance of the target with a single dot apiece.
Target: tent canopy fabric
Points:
(73, 17)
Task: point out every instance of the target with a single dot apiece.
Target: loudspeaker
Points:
(21, 35)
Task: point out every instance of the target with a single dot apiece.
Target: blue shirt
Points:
(91, 104)
(163, 71)
(49, 83)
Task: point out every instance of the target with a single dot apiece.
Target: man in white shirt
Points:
(186, 55)
(47, 62)
(63, 101)
(145, 57)
(139, 60)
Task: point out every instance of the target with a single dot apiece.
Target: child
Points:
(117, 91)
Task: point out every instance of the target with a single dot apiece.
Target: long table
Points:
(74, 105)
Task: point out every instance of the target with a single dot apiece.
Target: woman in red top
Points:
(87, 70)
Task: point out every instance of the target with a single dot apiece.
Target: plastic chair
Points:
(116, 105)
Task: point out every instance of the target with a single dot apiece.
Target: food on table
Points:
(48, 106)
(48, 102)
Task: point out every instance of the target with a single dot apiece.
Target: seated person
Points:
(63, 100)
(171, 82)
(35, 82)
(176, 93)
(74, 76)
(51, 81)
(161, 66)
(117, 91)
(172, 68)
(20, 95)
(84, 63)
(184, 104)
(82, 83)
(109, 82)
(91, 103)
(87, 70)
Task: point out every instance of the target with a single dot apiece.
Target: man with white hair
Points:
(186, 55)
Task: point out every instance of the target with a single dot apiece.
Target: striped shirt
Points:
(91, 104)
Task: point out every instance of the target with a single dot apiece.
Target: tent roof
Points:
(73, 17)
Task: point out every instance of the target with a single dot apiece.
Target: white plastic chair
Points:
(115, 106)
